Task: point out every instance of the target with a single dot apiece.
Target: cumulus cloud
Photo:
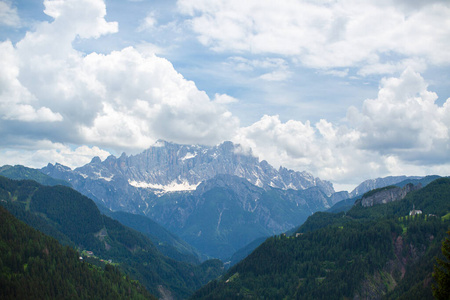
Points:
(404, 120)
(402, 130)
(53, 96)
(8, 14)
(224, 99)
(148, 23)
(16, 101)
(270, 69)
(51, 153)
(325, 34)
(121, 100)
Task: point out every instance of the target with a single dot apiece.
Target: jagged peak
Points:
(95, 160)
(110, 158)
(160, 143)
(58, 166)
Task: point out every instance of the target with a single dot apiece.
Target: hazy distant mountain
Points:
(74, 220)
(373, 252)
(19, 172)
(167, 167)
(226, 213)
(372, 184)
(387, 194)
(166, 242)
(173, 185)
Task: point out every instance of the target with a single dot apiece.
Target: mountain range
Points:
(216, 198)
(36, 266)
(74, 220)
(222, 202)
(376, 250)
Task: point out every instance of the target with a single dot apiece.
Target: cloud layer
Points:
(59, 104)
(370, 35)
(123, 100)
(403, 129)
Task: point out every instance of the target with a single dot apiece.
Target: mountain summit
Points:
(217, 198)
(166, 167)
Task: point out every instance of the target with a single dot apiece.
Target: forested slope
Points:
(371, 252)
(35, 266)
(75, 220)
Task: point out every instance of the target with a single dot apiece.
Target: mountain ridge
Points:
(166, 164)
(75, 220)
(373, 252)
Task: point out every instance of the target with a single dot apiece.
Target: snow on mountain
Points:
(167, 165)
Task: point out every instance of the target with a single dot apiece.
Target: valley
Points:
(253, 229)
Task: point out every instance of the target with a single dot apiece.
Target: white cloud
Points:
(337, 73)
(125, 99)
(51, 153)
(279, 142)
(417, 64)
(404, 120)
(16, 102)
(325, 34)
(8, 14)
(270, 69)
(403, 131)
(277, 75)
(148, 23)
(224, 99)
(52, 95)
(84, 18)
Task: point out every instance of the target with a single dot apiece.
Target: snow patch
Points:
(189, 155)
(291, 186)
(106, 178)
(99, 176)
(159, 144)
(174, 186)
(259, 183)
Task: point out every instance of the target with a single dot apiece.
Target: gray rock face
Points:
(167, 164)
(217, 198)
(388, 195)
(227, 212)
(372, 184)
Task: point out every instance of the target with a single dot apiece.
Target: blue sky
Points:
(347, 90)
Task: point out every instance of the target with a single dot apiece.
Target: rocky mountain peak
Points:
(372, 184)
(96, 160)
(169, 164)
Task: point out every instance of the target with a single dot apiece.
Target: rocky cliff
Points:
(386, 195)
(376, 183)
(217, 198)
(169, 167)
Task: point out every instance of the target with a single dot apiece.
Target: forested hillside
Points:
(166, 242)
(75, 220)
(35, 266)
(20, 172)
(368, 252)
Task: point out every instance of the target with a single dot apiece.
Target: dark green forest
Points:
(75, 221)
(35, 266)
(19, 172)
(377, 251)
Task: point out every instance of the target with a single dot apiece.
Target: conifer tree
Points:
(442, 273)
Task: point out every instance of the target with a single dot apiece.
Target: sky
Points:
(347, 90)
